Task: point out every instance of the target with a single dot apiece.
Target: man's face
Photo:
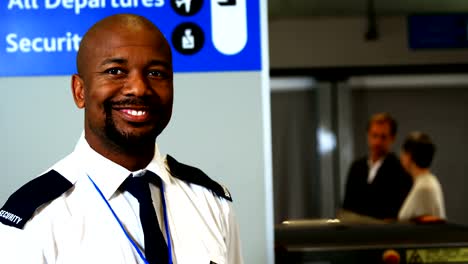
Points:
(128, 87)
(379, 139)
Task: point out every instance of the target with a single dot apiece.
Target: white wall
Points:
(218, 125)
(39, 124)
(333, 41)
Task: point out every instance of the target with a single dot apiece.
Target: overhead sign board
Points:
(449, 31)
(41, 37)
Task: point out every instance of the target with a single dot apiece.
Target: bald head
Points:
(116, 26)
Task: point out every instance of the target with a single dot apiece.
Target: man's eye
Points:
(115, 71)
(155, 73)
(158, 74)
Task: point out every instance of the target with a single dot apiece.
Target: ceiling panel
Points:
(279, 9)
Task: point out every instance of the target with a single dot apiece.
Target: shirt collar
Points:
(109, 175)
(377, 163)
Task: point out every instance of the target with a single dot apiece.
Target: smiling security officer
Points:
(115, 199)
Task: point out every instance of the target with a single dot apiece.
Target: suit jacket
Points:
(384, 196)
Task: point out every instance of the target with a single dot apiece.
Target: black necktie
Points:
(155, 244)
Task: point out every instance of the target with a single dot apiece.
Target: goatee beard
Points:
(125, 141)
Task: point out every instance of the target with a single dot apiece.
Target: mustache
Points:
(134, 101)
(126, 102)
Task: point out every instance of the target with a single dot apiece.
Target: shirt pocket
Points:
(216, 259)
(200, 259)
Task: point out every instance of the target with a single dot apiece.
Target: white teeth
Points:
(136, 112)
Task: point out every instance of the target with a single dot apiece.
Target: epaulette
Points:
(22, 204)
(196, 176)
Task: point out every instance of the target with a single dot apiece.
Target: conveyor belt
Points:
(330, 242)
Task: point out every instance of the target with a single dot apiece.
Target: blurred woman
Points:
(426, 197)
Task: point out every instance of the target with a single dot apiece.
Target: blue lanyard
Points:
(166, 224)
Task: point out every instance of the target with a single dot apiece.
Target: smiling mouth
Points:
(134, 115)
(133, 112)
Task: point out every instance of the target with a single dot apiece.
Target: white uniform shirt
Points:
(78, 227)
(425, 198)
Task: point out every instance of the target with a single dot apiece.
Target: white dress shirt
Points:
(373, 169)
(78, 226)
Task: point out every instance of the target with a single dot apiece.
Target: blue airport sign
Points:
(41, 37)
(438, 31)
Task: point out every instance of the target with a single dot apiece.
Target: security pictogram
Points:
(188, 38)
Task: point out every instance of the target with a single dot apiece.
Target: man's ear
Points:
(77, 86)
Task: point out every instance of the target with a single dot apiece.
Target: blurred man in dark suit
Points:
(377, 185)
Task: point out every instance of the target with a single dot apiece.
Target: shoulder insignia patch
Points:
(196, 176)
(22, 204)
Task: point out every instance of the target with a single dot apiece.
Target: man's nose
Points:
(137, 85)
